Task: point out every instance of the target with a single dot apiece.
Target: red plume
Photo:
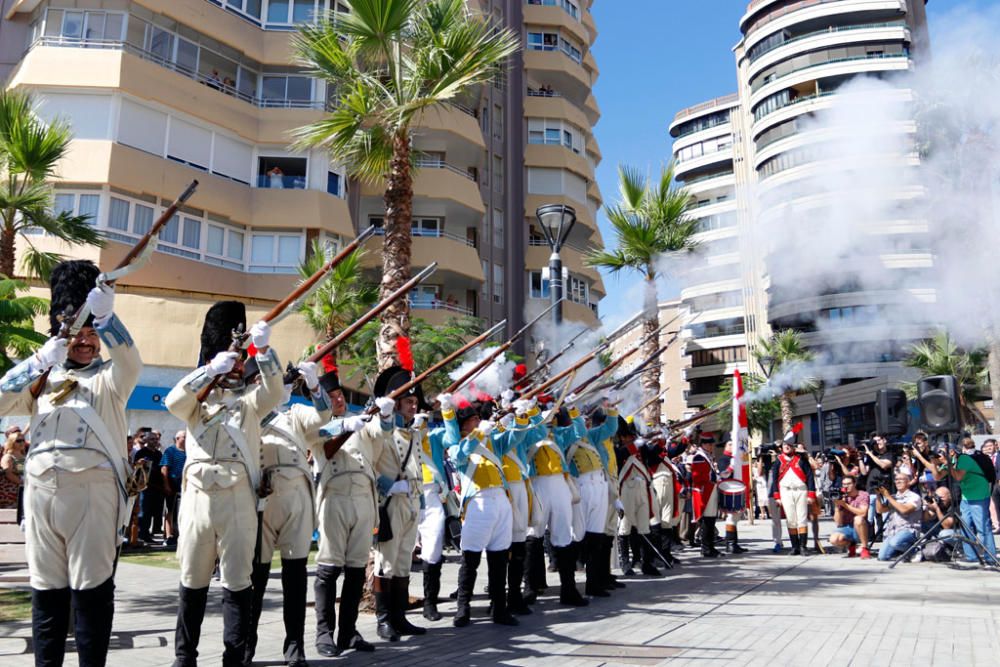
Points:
(797, 427)
(462, 402)
(520, 371)
(405, 352)
(328, 364)
(251, 350)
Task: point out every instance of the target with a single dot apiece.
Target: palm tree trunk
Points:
(993, 362)
(786, 412)
(7, 238)
(651, 377)
(396, 250)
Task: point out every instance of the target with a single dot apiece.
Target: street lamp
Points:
(767, 362)
(556, 221)
(818, 390)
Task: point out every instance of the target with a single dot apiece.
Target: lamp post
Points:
(767, 362)
(556, 221)
(818, 390)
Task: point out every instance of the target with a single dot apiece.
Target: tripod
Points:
(961, 535)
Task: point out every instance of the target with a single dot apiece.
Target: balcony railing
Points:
(433, 233)
(870, 56)
(277, 182)
(545, 244)
(210, 81)
(543, 93)
(826, 31)
(437, 304)
(567, 7)
(432, 163)
(797, 100)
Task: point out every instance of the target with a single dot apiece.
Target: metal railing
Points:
(437, 304)
(543, 93)
(431, 163)
(724, 100)
(566, 6)
(831, 30)
(869, 56)
(545, 244)
(436, 234)
(797, 100)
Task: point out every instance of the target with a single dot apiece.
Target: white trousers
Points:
(519, 502)
(593, 505)
(774, 508)
(556, 503)
(347, 516)
(795, 502)
(217, 523)
(663, 501)
(488, 521)
(635, 498)
(431, 526)
(288, 519)
(394, 558)
(70, 530)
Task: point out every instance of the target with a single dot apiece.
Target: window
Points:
(577, 290)
(498, 173)
(118, 214)
(538, 287)
(282, 172)
(555, 132)
(497, 121)
(83, 204)
(223, 246)
(425, 296)
(426, 226)
(498, 228)
(275, 252)
(543, 41)
(333, 183)
(486, 275)
(497, 283)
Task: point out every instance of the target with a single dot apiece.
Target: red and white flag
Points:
(740, 434)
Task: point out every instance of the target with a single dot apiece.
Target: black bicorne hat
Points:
(392, 379)
(70, 282)
(563, 418)
(626, 428)
(217, 332)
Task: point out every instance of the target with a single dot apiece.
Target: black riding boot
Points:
(624, 560)
(235, 625)
(348, 636)
(432, 588)
(708, 549)
(294, 579)
(496, 575)
(190, 614)
(550, 551)
(515, 571)
(666, 546)
(732, 541)
(595, 584)
(607, 547)
(793, 537)
(325, 592)
(382, 587)
(647, 559)
(466, 582)
(534, 570)
(400, 603)
(50, 610)
(258, 582)
(635, 549)
(568, 593)
(94, 610)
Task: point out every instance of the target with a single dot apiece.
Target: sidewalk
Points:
(754, 609)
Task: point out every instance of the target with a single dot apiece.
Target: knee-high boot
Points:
(235, 625)
(708, 549)
(294, 579)
(624, 559)
(190, 614)
(550, 551)
(258, 582)
(94, 610)
(607, 547)
(595, 585)
(568, 593)
(515, 570)
(496, 574)
(635, 547)
(466, 582)
(534, 570)
(50, 611)
(382, 587)
(400, 603)
(325, 592)
(348, 636)
(432, 588)
(648, 568)
(732, 540)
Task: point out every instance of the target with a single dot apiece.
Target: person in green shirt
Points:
(976, 490)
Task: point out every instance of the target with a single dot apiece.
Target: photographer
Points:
(876, 465)
(975, 475)
(850, 513)
(902, 527)
(936, 506)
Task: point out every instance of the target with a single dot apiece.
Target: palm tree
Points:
(18, 337)
(342, 297)
(941, 356)
(29, 152)
(760, 412)
(786, 349)
(388, 62)
(650, 221)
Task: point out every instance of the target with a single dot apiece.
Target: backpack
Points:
(989, 472)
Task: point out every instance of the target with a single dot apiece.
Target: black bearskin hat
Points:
(392, 379)
(487, 409)
(70, 281)
(626, 428)
(329, 380)
(217, 332)
(562, 417)
(465, 413)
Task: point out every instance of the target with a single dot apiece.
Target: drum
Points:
(732, 495)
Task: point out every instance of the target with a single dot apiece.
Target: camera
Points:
(836, 494)
(832, 454)
(767, 448)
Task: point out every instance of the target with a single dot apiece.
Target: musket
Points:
(548, 362)
(650, 402)
(581, 390)
(339, 339)
(294, 301)
(135, 258)
(488, 359)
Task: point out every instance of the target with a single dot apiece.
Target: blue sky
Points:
(656, 57)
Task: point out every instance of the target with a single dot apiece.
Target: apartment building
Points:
(751, 160)
(160, 92)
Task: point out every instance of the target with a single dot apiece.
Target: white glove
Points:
(386, 406)
(545, 415)
(570, 400)
(419, 419)
(52, 353)
(613, 396)
(309, 370)
(619, 506)
(445, 401)
(101, 302)
(221, 363)
(486, 427)
(507, 421)
(402, 486)
(260, 334)
(506, 398)
(522, 406)
(354, 424)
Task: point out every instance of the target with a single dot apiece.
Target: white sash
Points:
(470, 471)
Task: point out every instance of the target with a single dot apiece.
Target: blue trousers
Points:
(976, 514)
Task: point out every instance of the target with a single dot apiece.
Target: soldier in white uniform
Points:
(218, 513)
(289, 517)
(400, 482)
(635, 486)
(346, 503)
(77, 468)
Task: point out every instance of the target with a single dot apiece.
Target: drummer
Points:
(732, 498)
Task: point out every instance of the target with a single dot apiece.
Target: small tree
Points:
(18, 337)
(942, 356)
(786, 348)
(29, 152)
(760, 412)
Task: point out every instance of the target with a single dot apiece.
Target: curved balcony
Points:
(709, 287)
(537, 256)
(555, 17)
(435, 179)
(703, 109)
(584, 213)
(555, 106)
(557, 157)
(458, 261)
(560, 72)
(451, 121)
(695, 164)
(757, 24)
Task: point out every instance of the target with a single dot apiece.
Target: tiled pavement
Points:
(756, 609)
